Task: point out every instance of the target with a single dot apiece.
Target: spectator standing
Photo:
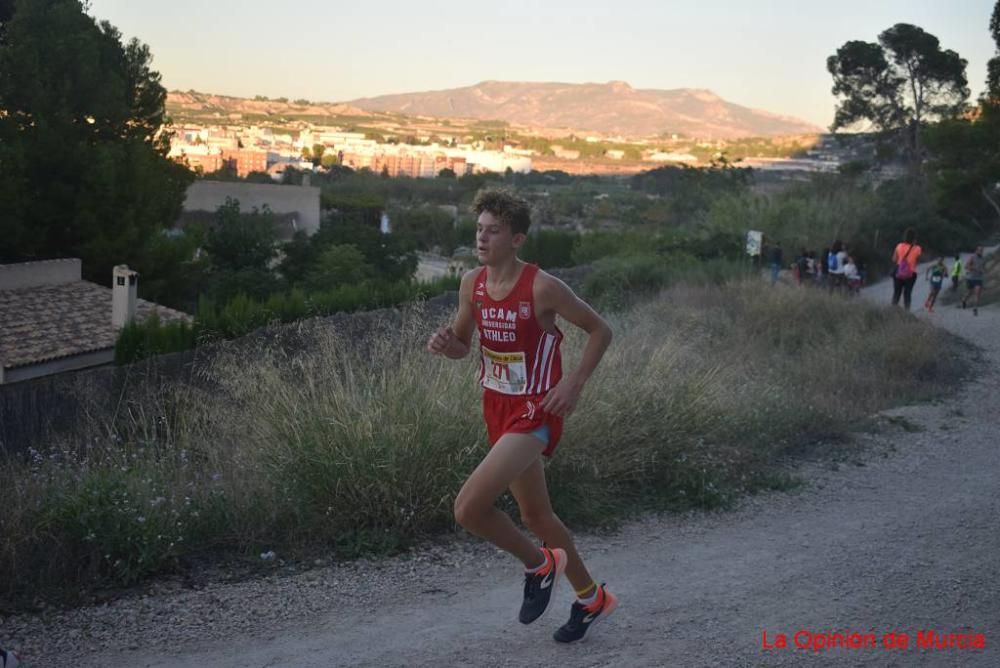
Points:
(904, 273)
(852, 278)
(835, 266)
(802, 267)
(776, 258)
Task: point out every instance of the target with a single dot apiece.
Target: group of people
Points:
(904, 274)
(834, 268)
(837, 270)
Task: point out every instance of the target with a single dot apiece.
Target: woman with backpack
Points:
(904, 272)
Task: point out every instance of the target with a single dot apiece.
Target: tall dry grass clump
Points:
(359, 446)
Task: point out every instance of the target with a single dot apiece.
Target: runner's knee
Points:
(469, 510)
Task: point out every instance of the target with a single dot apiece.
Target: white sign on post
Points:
(754, 241)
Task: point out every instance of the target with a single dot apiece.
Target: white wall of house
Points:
(210, 195)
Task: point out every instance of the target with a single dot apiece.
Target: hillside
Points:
(612, 108)
(192, 104)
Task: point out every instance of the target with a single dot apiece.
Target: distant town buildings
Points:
(669, 156)
(271, 150)
(565, 153)
(259, 149)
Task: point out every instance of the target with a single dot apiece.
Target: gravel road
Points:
(903, 536)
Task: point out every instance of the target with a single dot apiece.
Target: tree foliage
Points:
(339, 264)
(391, 255)
(173, 274)
(240, 247)
(241, 241)
(993, 66)
(900, 83)
(427, 227)
(688, 191)
(965, 155)
(82, 154)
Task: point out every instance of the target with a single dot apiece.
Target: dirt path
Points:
(905, 536)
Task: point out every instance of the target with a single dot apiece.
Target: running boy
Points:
(956, 272)
(525, 400)
(935, 274)
(975, 270)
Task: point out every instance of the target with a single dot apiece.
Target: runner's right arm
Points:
(456, 341)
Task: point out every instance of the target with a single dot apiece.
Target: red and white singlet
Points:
(517, 356)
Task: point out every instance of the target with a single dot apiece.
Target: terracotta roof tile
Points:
(53, 321)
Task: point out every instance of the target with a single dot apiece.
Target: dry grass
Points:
(359, 447)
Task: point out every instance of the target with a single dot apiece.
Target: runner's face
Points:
(495, 242)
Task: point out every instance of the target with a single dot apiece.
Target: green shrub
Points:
(621, 280)
(242, 314)
(550, 249)
(139, 340)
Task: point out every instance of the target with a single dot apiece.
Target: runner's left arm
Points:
(552, 295)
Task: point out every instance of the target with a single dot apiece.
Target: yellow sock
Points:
(587, 591)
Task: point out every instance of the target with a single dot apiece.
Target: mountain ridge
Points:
(613, 107)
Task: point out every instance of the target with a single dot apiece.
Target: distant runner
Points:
(975, 272)
(935, 274)
(956, 272)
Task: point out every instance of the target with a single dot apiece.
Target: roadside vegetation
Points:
(358, 449)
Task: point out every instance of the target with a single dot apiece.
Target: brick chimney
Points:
(123, 296)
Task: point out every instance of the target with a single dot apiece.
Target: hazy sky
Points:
(769, 54)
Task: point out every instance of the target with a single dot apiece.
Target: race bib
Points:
(504, 372)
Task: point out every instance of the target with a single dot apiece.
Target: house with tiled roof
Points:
(51, 320)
